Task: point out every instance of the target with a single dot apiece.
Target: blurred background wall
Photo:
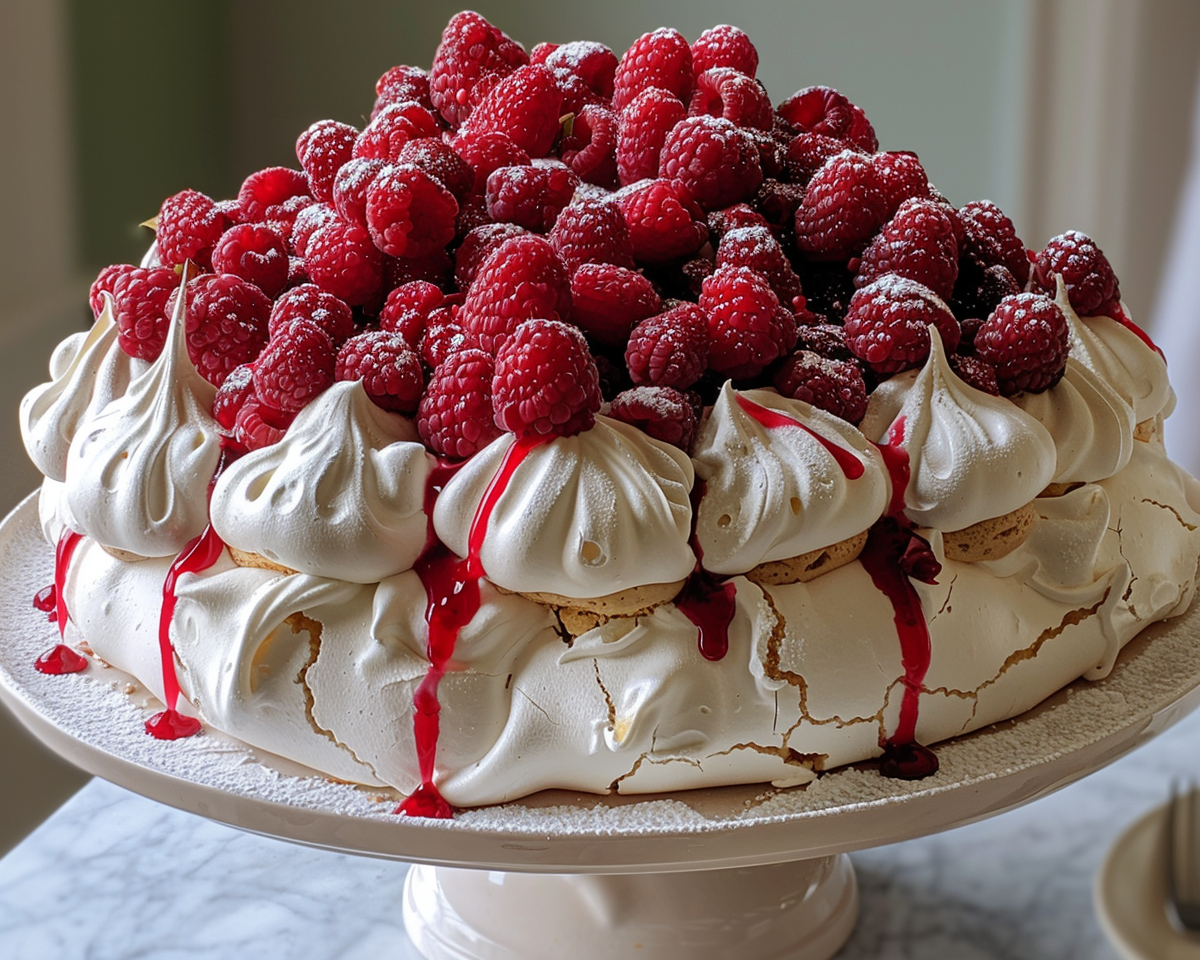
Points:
(1067, 113)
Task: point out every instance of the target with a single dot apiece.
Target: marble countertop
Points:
(113, 875)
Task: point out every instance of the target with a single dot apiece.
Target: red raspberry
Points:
(321, 150)
(823, 110)
(978, 293)
(777, 202)
(836, 386)
(542, 51)
(842, 208)
(807, 153)
(258, 426)
(409, 213)
(309, 302)
(607, 300)
(226, 324)
(642, 130)
(664, 222)
(1026, 340)
(590, 149)
(546, 382)
(724, 46)
(487, 151)
(444, 335)
(720, 222)
(747, 328)
(660, 412)
(399, 84)
(670, 349)
(531, 196)
(388, 367)
(756, 247)
(522, 279)
(105, 282)
(188, 226)
(991, 239)
(297, 272)
(592, 231)
(975, 372)
(724, 92)
(232, 394)
(265, 188)
(254, 252)
(471, 58)
(658, 59)
(309, 221)
(826, 339)
(143, 300)
(477, 245)
(714, 159)
(594, 63)
(455, 418)
(407, 309)
(395, 125)
(918, 243)
(887, 324)
(342, 260)
(282, 217)
(1092, 285)
(901, 177)
(350, 188)
(440, 162)
(525, 106)
(295, 367)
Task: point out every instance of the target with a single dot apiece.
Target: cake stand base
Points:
(802, 911)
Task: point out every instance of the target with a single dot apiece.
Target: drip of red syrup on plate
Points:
(706, 599)
(452, 590)
(46, 600)
(60, 658)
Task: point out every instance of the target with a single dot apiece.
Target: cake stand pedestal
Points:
(705, 873)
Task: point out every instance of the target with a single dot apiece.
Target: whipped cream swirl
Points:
(775, 492)
(341, 495)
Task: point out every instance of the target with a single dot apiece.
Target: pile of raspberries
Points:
(517, 241)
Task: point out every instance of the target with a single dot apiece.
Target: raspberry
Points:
(232, 394)
(408, 308)
(350, 188)
(472, 56)
(777, 202)
(394, 126)
(1026, 340)
(607, 300)
(258, 426)
(521, 279)
(660, 412)
(188, 226)
(282, 216)
(441, 163)
(772, 152)
(918, 243)
(991, 239)
(720, 222)
(444, 335)
(388, 367)
(455, 418)
(714, 159)
(807, 153)
(321, 150)
(255, 253)
(591, 148)
(531, 196)
(487, 151)
(1092, 285)
(309, 221)
(825, 111)
(887, 324)
(642, 130)
(295, 367)
(593, 63)
(724, 92)
(309, 302)
(477, 245)
(525, 106)
(670, 349)
(105, 282)
(756, 247)
(747, 328)
(724, 46)
(546, 382)
(664, 222)
(409, 213)
(297, 272)
(267, 187)
(976, 294)
(836, 386)
(143, 302)
(399, 84)
(826, 339)
(901, 177)
(976, 372)
(226, 324)
(592, 231)
(342, 260)
(658, 59)
(842, 208)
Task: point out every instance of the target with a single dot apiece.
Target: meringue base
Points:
(809, 566)
(581, 615)
(991, 539)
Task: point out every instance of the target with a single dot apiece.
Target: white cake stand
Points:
(701, 874)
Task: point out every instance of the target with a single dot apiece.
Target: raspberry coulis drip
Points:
(46, 600)
(60, 658)
(850, 464)
(452, 591)
(706, 599)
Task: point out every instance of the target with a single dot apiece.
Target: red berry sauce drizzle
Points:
(200, 554)
(452, 588)
(60, 658)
